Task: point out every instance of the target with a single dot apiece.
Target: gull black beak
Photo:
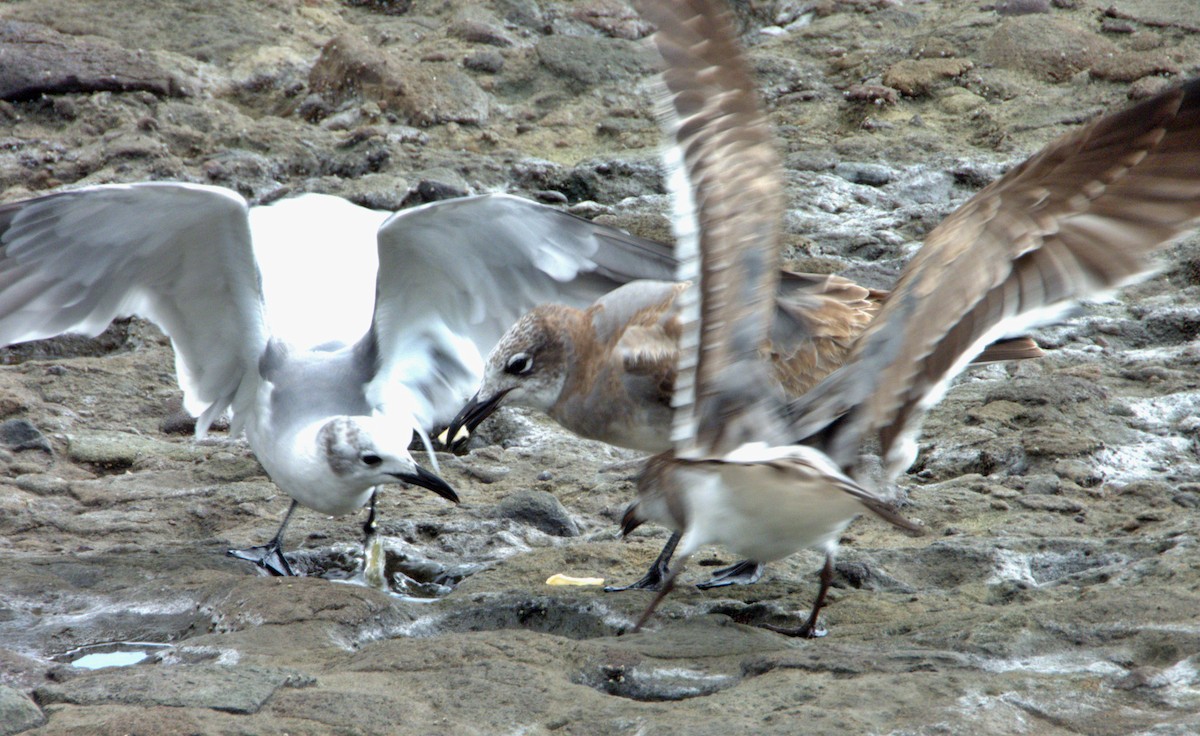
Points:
(473, 414)
(426, 479)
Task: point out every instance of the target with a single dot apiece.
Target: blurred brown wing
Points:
(1078, 219)
(819, 319)
(726, 180)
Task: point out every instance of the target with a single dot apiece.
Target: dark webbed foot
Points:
(667, 586)
(654, 577)
(745, 572)
(267, 556)
(652, 580)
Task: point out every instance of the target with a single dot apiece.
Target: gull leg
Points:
(374, 559)
(667, 586)
(810, 629)
(370, 526)
(269, 556)
(653, 579)
(745, 572)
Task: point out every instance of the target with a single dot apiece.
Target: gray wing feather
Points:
(177, 254)
(642, 301)
(454, 275)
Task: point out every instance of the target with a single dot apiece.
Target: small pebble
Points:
(487, 61)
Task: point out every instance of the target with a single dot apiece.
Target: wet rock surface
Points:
(1059, 591)
(36, 60)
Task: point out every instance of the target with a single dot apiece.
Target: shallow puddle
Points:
(110, 654)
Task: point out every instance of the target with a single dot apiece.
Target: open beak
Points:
(426, 479)
(473, 414)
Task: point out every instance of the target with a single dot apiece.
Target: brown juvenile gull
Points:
(766, 477)
(330, 332)
(607, 372)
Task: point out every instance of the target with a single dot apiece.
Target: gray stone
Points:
(18, 671)
(115, 450)
(377, 191)
(1166, 324)
(924, 187)
(1051, 503)
(1157, 13)
(587, 61)
(1043, 484)
(1187, 499)
(613, 19)
(36, 60)
(17, 712)
(476, 25)
(875, 175)
(227, 467)
(230, 689)
(236, 166)
(525, 13)
(19, 435)
(350, 67)
(1046, 391)
(42, 484)
(487, 61)
(1078, 472)
(386, 7)
(486, 472)
(1022, 7)
(611, 180)
(811, 161)
(1050, 48)
(540, 510)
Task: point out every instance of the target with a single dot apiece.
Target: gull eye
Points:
(519, 364)
(370, 459)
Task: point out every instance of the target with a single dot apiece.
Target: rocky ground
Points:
(1058, 594)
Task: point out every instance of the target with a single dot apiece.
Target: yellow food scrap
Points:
(560, 579)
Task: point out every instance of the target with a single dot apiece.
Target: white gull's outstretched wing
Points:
(176, 254)
(455, 274)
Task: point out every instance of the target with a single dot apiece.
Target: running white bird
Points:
(332, 356)
(766, 478)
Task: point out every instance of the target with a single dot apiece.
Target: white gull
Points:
(327, 350)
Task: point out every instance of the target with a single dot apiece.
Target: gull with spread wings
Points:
(766, 476)
(329, 332)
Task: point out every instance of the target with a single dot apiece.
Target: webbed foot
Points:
(658, 572)
(745, 572)
(267, 556)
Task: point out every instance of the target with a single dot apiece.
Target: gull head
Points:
(528, 367)
(369, 451)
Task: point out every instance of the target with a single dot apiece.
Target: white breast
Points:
(762, 513)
